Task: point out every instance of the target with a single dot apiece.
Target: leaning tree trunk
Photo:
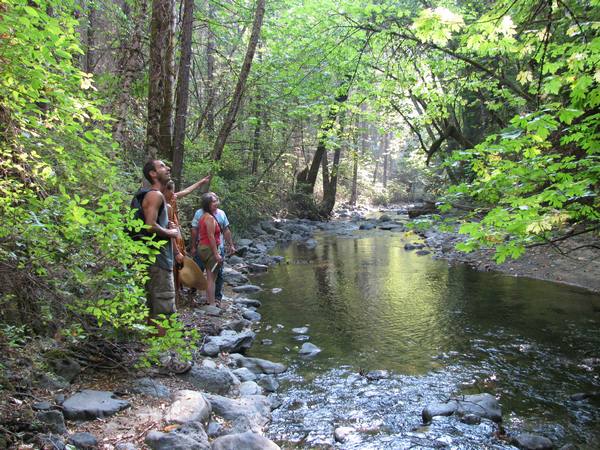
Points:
(183, 84)
(160, 75)
(241, 83)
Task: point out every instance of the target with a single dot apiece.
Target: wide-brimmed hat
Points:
(191, 275)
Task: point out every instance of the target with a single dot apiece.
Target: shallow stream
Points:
(439, 330)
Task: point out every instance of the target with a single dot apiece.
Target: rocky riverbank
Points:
(225, 400)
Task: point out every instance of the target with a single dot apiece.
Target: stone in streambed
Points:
(188, 406)
(247, 288)
(309, 350)
(84, 441)
(482, 405)
(246, 441)
(257, 365)
(216, 381)
(90, 404)
(527, 441)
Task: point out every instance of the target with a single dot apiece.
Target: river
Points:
(437, 330)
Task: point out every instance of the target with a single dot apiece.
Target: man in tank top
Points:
(160, 287)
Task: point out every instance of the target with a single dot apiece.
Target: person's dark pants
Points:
(219, 282)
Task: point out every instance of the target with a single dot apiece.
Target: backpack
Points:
(136, 205)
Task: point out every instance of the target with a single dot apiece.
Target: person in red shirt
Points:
(209, 239)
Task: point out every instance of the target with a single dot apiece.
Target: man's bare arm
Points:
(151, 206)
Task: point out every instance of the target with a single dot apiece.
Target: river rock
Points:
(245, 374)
(54, 421)
(257, 365)
(250, 388)
(216, 381)
(250, 413)
(41, 406)
(258, 268)
(228, 341)
(276, 290)
(482, 405)
(300, 330)
(251, 315)
(126, 446)
(377, 375)
(309, 244)
(247, 288)
(246, 441)
(247, 302)
(237, 325)
(269, 383)
(65, 367)
(302, 337)
(188, 406)
(244, 243)
(341, 434)
(150, 387)
(384, 218)
(190, 437)
(389, 226)
(471, 419)
(366, 226)
(527, 441)
(211, 310)
(50, 382)
(90, 404)
(84, 441)
(309, 350)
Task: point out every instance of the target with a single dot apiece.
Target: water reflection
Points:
(370, 304)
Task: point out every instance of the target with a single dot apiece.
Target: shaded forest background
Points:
(294, 107)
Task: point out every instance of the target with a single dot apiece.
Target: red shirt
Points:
(203, 232)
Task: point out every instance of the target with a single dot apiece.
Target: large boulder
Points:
(90, 405)
(215, 381)
(228, 341)
(482, 405)
(246, 441)
(249, 413)
(527, 441)
(257, 365)
(233, 277)
(190, 437)
(188, 406)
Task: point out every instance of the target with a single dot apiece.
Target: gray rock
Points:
(244, 374)
(211, 310)
(529, 441)
(341, 434)
(244, 243)
(237, 325)
(150, 387)
(50, 382)
(251, 412)
(422, 252)
(482, 405)
(384, 218)
(233, 277)
(216, 381)
(247, 302)
(247, 288)
(175, 441)
(250, 388)
(276, 290)
(228, 341)
(246, 441)
(267, 342)
(89, 405)
(301, 337)
(309, 350)
(233, 260)
(377, 375)
(41, 406)
(65, 367)
(257, 365)
(83, 440)
(188, 406)
(390, 226)
(258, 268)
(126, 446)
(251, 315)
(214, 429)
(366, 226)
(471, 419)
(54, 421)
(300, 330)
(269, 383)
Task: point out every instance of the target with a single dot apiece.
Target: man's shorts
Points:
(160, 291)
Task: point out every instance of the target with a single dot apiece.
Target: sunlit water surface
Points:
(439, 330)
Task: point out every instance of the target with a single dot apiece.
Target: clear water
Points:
(439, 330)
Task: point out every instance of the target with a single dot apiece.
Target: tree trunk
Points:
(160, 74)
(330, 191)
(308, 178)
(130, 67)
(386, 144)
(239, 88)
(256, 143)
(210, 70)
(90, 38)
(183, 84)
(354, 188)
